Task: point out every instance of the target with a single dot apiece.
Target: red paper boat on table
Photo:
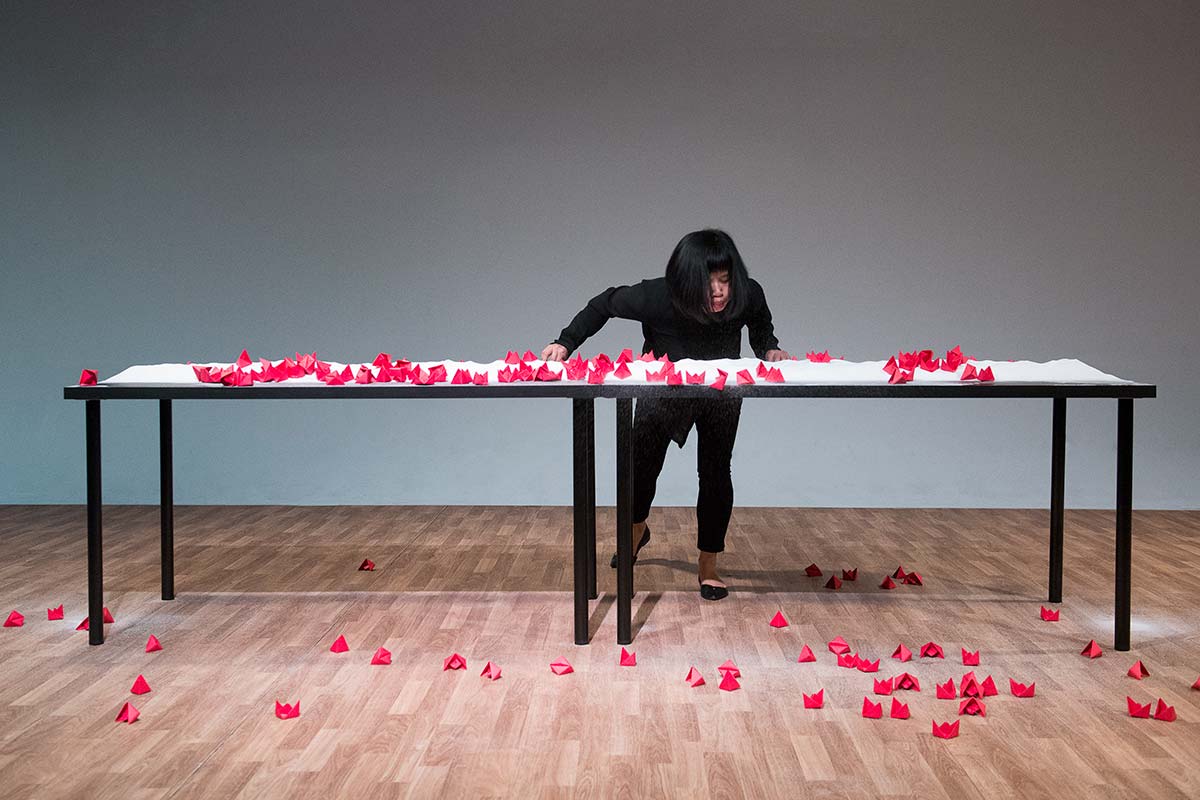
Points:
(986, 375)
(969, 373)
(561, 667)
(1092, 650)
(140, 686)
(454, 661)
(339, 645)
(694, 678)
(54, 613)
(899, 573)
(868, 666)
(1137, 709)
(1138, 671)
(871, 710)
(834, 583)
(512, 357)
(806, 656)
(913, 579)
(906, 681)
(729, 666)
(899, 710)
(778, 621)
(838, 646)
(970, 659)
(931, 650)
(972, 707)
(490, 671)
(774, 375)
(628, 659)
(902, 653)
(286, 710)
(761, 369)
(887, 583)
(815, 700)
(850, 574)
(946, 730)
(729, 683)
(87, 377)
(883, 687)
(744, 378)
(1049, 616)
(1164, 712)
(812, 571)
(383, 657)
(970, 686)
(946, 691)
(1020, 689)
(128, 714)
(847, 660)
(108, 617)
(15, 620)
(900, 376)
(152, 644)
(989, 687)
(367, 565)
(719, 383)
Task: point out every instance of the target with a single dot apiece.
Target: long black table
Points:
(583, 397)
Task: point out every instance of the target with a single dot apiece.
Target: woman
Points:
(696, 310)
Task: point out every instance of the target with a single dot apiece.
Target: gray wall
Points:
(452, 179)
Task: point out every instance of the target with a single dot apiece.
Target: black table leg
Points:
(166, 484)
(1058, 455)
(95, 535)
(579, 498)
(624, 520)
(1124, 522)
(590, 485)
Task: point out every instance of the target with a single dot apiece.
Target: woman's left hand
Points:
(777, 355)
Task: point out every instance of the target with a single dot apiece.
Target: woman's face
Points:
(718, 284)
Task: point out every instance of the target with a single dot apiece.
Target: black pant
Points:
(659, 421)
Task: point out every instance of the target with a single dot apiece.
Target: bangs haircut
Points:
(698, 254)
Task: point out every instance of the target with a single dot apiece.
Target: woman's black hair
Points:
(696, 255)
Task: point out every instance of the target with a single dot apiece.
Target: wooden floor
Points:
(264, 591)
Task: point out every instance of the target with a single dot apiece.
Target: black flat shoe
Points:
(641, 544)
(710, 592)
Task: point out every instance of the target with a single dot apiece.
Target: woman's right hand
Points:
(554, 352)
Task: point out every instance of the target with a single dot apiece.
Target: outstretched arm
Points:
(762, 331)
(625, 302)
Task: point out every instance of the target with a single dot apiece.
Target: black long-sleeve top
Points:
(669, 333)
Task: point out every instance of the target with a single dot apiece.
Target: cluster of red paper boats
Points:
(384, 369)
(903, 366)
(889, 581)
